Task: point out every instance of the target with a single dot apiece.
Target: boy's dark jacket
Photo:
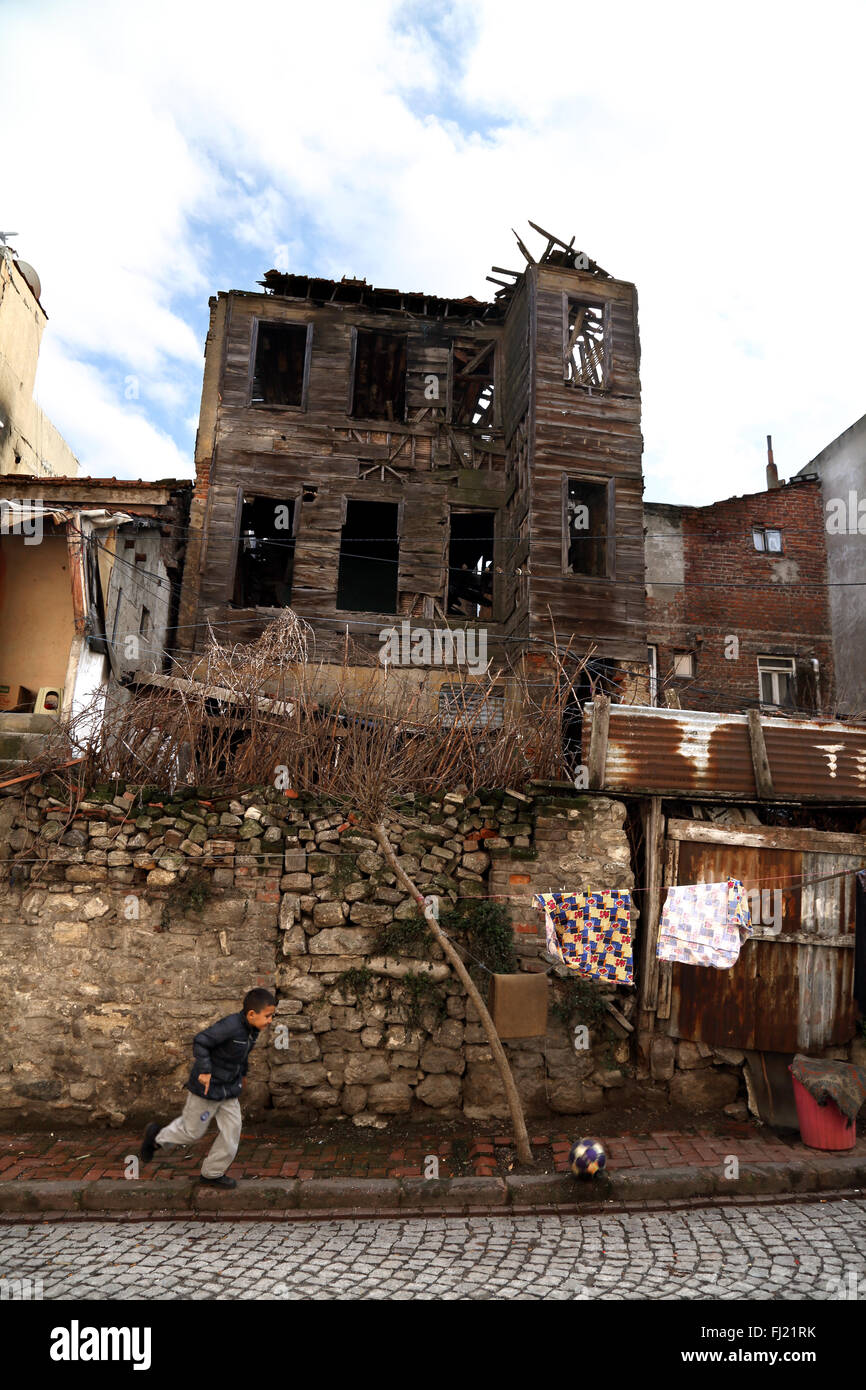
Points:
(223, 1050)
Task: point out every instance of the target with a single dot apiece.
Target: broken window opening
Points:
(280, 366)
(266, 553)
(369, 557)
(584, 362)
(470, 564)
(472, 706)
(379, 389)
(578, 688)
(587, 522)
(473, 385)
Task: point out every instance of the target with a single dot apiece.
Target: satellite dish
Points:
(31, 277)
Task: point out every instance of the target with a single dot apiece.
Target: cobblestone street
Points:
(814, 1251)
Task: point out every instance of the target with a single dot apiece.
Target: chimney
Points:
(772, 470)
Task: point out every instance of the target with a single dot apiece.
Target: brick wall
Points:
(772, 604)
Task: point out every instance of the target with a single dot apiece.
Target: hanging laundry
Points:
(590, 932)
(705, 923)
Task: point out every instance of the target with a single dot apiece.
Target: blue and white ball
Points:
(586, 1158)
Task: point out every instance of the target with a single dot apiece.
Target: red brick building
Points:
(737, 602)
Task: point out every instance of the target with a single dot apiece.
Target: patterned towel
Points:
(705, 924)
(590, 932)
(825, 1080)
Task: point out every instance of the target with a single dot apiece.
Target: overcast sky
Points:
(154, 154)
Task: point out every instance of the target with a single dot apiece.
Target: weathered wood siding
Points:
(599, 435)
(318, 455)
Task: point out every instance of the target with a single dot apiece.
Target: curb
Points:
(521, 1193)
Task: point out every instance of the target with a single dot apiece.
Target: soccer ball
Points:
(586, 1158)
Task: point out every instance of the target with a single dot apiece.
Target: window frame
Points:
(594, 302)
(346, 498)
(494, 422)
(764, 532)
(371, 421)
(296, 499)
(653, 664)
(254, 347)
(610, 547)
(462, 509)
(676, 654)
(790, 663)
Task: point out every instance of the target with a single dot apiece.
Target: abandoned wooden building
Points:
(372, 458)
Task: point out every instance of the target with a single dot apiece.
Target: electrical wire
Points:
(718, 695)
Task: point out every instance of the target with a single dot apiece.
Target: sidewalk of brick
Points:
(40, 1171)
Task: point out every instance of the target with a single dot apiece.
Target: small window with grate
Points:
(473, 706)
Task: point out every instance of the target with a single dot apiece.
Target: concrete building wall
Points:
(36, 616)
(138, 601)
(29, 443)
(841, 468)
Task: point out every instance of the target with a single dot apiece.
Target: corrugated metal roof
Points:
(694, 753)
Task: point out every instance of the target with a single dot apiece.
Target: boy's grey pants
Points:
(192, 1124)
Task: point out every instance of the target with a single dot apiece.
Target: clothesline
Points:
(776, 881)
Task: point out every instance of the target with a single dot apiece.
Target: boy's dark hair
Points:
(257, 999)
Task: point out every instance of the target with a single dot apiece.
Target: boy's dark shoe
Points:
(148, 1147)
(223, 1181)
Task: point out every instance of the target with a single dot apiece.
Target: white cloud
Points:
(709, 155)
(108, 433)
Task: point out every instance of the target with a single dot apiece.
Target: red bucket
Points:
(822, 1126)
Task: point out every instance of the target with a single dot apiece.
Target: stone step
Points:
(20, 747)
(13, 723)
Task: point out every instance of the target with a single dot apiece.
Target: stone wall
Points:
(130, 924)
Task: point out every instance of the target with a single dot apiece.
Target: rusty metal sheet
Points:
(781, 996)
(695, 753)
(755, 1004)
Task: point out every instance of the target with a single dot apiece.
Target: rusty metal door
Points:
(791, 989)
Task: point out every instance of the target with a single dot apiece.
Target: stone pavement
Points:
(814, 1252)
(291, 1173)
(86, 1155)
